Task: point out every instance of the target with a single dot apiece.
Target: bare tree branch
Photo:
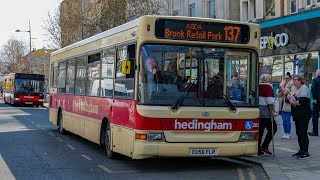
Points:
(13, 57)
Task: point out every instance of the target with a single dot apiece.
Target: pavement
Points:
(282, 165)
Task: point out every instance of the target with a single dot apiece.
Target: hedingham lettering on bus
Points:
(206, 126)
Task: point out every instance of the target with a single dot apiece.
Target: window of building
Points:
(318, 1)
(192, 10)
(81, 76)
(212, 9)
(293, 6)
(107, 72)
(124, 83)
(245, 11)
(71, 71)
(308, 2)
(62, 77)
(93, 75)
(175, 12)
(270, 9)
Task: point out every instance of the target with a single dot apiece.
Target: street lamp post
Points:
(30, 53)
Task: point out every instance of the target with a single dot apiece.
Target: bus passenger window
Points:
(124, 84)
(71, 67)
(81, 76)
(107, 71)
(62, 77)
(93, 75)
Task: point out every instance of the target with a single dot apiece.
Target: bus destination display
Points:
(202, 31)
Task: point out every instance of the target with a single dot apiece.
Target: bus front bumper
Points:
(144, 149)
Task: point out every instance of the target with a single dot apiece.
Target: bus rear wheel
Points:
(60, 123)
(107, 143)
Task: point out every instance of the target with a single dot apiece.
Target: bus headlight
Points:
(16, 99)
(249, 136)
(152, 136)
(41, 100)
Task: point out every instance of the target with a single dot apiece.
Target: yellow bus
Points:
(161, 86)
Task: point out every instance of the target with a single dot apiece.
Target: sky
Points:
(15, 14)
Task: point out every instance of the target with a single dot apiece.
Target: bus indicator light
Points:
(141, 136)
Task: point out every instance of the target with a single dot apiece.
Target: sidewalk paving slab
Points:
(282, 165)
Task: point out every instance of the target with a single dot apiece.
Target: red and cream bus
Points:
(23, 89)
(159, 86)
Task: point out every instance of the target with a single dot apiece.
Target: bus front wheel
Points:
(60, 123)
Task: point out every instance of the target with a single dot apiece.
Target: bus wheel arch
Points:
(60, 121)
(105, 139)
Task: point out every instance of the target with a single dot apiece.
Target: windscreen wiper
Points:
(228, 102)
(177, 104)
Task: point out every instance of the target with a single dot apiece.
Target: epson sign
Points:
(274, 41)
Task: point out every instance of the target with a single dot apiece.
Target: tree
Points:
(52, 28)
(137, 8)
(13, 57)
(80, 19)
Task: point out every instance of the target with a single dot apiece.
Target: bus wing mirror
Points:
(126, 67)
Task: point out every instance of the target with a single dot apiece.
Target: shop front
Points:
(291, 44)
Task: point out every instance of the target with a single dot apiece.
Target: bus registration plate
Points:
(202, 152)
(28, 102)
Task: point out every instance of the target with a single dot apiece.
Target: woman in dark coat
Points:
(301, 113)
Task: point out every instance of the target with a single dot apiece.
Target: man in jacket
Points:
(315, 89)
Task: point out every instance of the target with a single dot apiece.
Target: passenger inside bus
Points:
(215, 86)
(236, 91)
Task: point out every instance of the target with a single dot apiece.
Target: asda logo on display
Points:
(274, 41)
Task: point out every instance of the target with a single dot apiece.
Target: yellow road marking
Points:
(105, 169)
(251, 174)
(71, 147)
(86, 157)
(240, 172)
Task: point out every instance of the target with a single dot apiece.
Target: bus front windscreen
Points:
(29, 86)
(197, 76)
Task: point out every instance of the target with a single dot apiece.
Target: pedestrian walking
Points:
(285, 88)
(301, 113)
(315, 89)
(266, 107)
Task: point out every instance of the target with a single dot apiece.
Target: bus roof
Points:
(128, 26)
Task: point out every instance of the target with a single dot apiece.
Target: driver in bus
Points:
(152, 74)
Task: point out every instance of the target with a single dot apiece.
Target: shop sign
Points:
(274, 41)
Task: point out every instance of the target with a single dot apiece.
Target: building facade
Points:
(219, 9)
(290, 41)
(40, 62)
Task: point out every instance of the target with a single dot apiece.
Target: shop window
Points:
(212, 9)
(71, 68)
(192, 10)
(81, 76)
(107, 72)
(270, 9)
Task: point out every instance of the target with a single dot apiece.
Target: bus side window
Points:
(62, 77)
(93, 75)
(81, 69)
(107, 72)
(124, 84)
